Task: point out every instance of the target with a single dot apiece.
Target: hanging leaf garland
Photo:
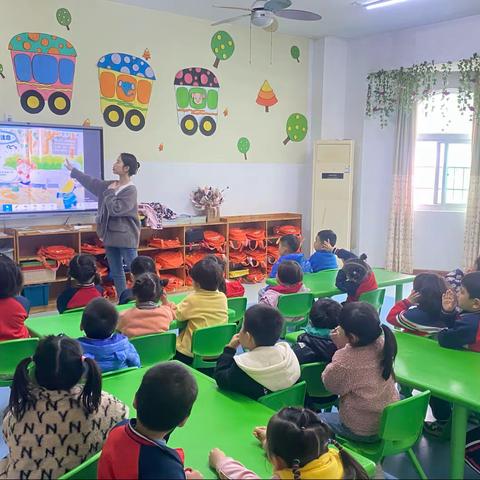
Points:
(405, 87)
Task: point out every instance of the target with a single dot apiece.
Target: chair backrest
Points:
(85, 471)
(374, 298)
(295, 304)
(312, 375)
(239, 305)
(112, 373)
(293, 396)
(73, 310)
(12, 351)
(210, 341)
(158, 347)
(402, 423)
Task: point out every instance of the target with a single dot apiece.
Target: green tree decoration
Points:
(295, 53)
(297, 128)
(1, 71)
(223, 46)
(64, 17)
(243, 146)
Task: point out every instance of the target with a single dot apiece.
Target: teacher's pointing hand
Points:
(68, 165)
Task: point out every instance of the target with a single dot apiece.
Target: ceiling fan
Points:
(263, 14)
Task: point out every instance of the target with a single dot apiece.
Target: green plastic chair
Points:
(85, 471)
(155, 348)
(374, 297)
(208, 344)
(293, 396)
(11, 353)
(112, 373)
(312, 375)
(295, 305)
(292, 337)
(73, 310)
(400, 428)
(239, 306)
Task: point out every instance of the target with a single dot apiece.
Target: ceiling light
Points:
(380, 4)
(262, 18)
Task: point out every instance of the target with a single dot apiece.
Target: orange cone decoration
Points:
(266, 96)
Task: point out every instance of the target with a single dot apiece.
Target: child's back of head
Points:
(325, 313)
(83, 269)
(324, 236)
(142, 264)
(289, 273)
(147, 288)
(297, 436)
(99, 319)
(165, 397)
(362, 327)
(356, 269)
(289, 244)
(264, 324)
(59, 365)
(11, 278)
(207, 274)
(430, 287)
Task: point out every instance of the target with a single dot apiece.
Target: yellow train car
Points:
(126, 85)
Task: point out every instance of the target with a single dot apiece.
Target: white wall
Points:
(374, 146)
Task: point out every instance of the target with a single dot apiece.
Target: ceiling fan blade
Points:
(298, 15)
(273, 27)
(232, 8)
(277, 5)
(229, 20)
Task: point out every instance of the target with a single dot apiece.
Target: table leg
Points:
(457, 442)
(398, 292)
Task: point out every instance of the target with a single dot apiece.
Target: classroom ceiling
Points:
(340, 17)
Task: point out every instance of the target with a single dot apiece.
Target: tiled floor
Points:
(433, 455)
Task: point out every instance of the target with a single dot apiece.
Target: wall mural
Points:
(125, 89)
(44, 67)
(297, 128)
(223, 47)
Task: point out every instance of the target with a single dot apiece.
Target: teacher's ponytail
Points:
(130, 161)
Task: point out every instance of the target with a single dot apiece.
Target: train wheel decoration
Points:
(44, 67)
(196, 93)
(126, 83)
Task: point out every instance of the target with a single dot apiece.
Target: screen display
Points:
(33, 177)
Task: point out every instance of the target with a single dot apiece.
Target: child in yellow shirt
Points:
(205, 307)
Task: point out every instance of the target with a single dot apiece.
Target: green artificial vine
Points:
(405, 87)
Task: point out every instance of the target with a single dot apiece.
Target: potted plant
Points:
(208, 200)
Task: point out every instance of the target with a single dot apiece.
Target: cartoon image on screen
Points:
(32, 173)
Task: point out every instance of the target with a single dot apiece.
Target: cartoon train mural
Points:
(125, 88)
(44, 67)
(196, 92)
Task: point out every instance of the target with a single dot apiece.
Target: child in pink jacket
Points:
(147, 316)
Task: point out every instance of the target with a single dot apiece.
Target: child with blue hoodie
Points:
(326, 254)
(111, 350)
(288, 248)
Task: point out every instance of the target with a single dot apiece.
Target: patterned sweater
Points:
(56, 435)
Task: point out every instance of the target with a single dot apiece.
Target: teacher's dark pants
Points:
(117, 257)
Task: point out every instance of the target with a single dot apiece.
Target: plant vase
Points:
(213, 214)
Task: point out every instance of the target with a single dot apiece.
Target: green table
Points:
(452, 375)
(69, 323)
(219, 419)
(322, 284)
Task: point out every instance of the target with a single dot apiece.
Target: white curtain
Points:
(472, 218)
(400, 234)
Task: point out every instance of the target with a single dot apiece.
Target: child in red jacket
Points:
(356, 277)
(13, 307)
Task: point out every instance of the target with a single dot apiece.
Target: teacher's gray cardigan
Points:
(117, 217)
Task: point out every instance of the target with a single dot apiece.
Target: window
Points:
(442, 155)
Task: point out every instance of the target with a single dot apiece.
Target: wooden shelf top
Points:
(269, 217)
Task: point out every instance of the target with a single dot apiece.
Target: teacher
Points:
(117, 220)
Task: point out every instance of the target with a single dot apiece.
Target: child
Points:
(454, 278)
(296, 442)
(137, 448)
(290, 280)
(58, 415)
(420, 312)
(13, 307)
(325, 256)
(267, 366)
(205, 307)
(83, 269)
(231, 288)
(140, 264)
(361, 373)
(315, 345)
(111, 351)
(463, 332)
(356, 277)
(288, 247)
(147, 316)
